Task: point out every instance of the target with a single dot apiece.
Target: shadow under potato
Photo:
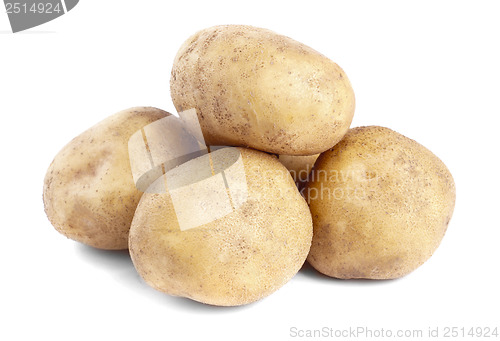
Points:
(190, 304)
(119, 264)
(117, 259)
(310, 272)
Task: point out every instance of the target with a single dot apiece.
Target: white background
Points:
(427, 69)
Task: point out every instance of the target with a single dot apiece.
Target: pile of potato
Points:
(373, 204)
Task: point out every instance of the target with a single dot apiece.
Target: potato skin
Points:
(299, 166)
(381, 204)
(89, 194)
(253, 87)
(237, 259)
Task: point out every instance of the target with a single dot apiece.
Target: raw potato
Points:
(299, 166)
(381, 204)
(89, 194)
(236, 259)
(253, 87)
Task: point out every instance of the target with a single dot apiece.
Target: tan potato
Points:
(253, 87)
(299, 166)
(381, 204)
(190, 241)
(89, 193)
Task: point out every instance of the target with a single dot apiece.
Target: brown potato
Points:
(89, 193)
(299, 166)
(381, 204)
(191, 241)
(253, 87)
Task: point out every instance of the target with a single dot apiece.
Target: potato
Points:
(252, 87)
(381, 204)
(299, 166)
(89, 193)
(192, 241)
